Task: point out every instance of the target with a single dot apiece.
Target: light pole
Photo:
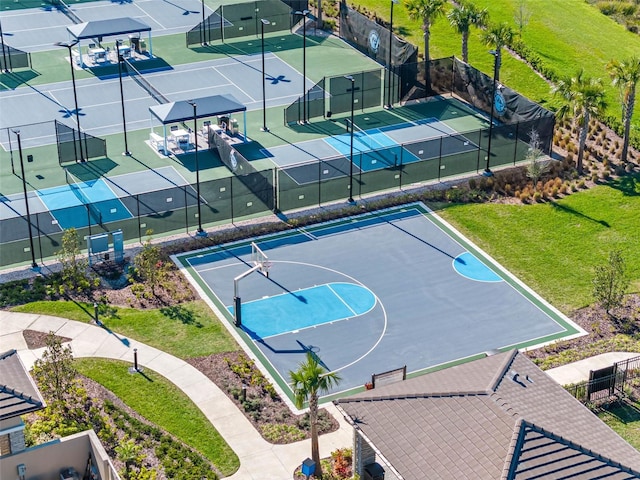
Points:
(264, 87)
(4, 54)
(390, 102)
(203, 35)
(353, 92)
(304, 14)
(487, 171)
(69, 46)
(26, 200)
(200, 232)
(124, 121)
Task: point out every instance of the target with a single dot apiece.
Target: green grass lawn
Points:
(567, 35)
(625, 420)
(190, 330)
(162, 403)
(554, 247)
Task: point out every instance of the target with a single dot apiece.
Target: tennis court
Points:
(97, 201)
(372, 293)
(373, 149)
(38, 29)
(99, 98)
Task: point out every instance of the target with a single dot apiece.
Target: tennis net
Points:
(144, 83)
(76, 188)
(68, 12)
(365, 139)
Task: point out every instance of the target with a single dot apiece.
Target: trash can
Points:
(373, 471)
(135, 43)
(234, 126)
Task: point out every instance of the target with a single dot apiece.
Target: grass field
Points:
(554, 247)
(187, 331)
(625, 420)
(162, 403)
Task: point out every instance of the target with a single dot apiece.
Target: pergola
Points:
(107, 28)
(205, 107)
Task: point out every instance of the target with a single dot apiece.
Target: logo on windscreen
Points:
(233, 160)
(500, 103)
(374, 41)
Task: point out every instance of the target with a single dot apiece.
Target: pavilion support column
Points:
(244, 127)
(150, 46)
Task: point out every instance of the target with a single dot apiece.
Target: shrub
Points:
(281, 433)
(454, 195)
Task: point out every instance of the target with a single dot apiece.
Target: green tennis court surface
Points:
(373, 293)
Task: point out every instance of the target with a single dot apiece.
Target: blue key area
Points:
(470, 267)
(305, 308)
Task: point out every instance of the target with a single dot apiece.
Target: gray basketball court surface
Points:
(370, 294)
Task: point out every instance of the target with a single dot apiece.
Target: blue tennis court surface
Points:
(305, 308)
(372, 293)
(69, 204)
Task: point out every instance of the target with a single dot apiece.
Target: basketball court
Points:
(370, 294)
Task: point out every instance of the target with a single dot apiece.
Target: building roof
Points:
(211, 106)
(499, 417)
(107, 28)
(18, 392)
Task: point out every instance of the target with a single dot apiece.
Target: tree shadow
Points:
(184, 315)
(629, 185)
(572, 211)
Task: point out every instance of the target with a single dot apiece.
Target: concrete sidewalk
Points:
(579, 371)
(259, 460)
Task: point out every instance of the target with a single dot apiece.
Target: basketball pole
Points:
(237, 301)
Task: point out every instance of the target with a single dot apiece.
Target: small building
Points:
(499, 417)
(81, 452)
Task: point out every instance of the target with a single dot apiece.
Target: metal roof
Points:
(182, 111)
(106, 28)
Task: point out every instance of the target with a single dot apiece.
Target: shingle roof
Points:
(498, 417)
(18, 393)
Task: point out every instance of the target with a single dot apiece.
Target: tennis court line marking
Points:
(115, 197)
(342, 300)
(229, 80)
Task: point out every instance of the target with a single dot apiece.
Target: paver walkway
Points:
(259, 460)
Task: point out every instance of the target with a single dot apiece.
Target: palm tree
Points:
(498, 36)
(310, 380)
(626, 75)
(583, 98)
(462, 17)
(427, 11)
